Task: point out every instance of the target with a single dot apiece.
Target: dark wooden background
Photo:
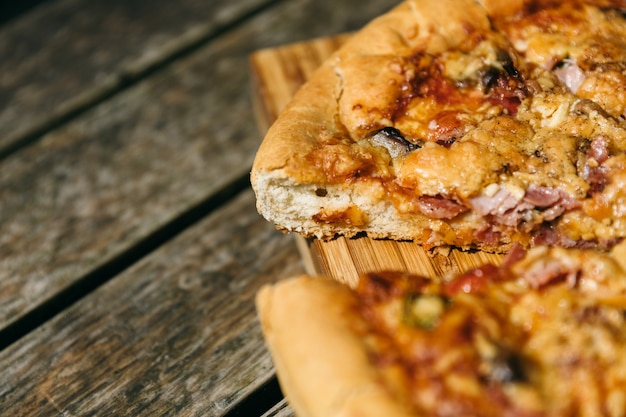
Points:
(130, 247)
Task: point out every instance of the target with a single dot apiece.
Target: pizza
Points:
(543, 334)
(473, 124)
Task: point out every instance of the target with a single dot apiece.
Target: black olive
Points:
(489, 77)
(392, 132)
(393, 140)
(507, 63)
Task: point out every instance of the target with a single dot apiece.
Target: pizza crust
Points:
(314, 316)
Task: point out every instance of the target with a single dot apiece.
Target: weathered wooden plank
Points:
(66, 54)
(91, 190)
(176, 334)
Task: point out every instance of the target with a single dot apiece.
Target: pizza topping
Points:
(473, 281)
(583, 46)
(392, 139)
(552, 201)
(594, 171)
(570, 74)
(446, 127)
(598, 151)
(494, 203)
(438, 207)
(519, 339)
(547, 235)
(424, 310)
(535, 205)
(504, 84)
(549, 272)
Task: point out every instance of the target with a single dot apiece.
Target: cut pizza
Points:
(460, 123)
(544, 334)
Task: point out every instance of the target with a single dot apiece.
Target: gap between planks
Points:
(48, 309)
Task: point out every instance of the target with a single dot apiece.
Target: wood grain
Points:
(91, 190)
(176, 334)
(67, 54)
(278, 74)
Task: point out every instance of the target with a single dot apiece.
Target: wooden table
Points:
(130, 247)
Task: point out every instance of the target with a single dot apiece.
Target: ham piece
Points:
(504, 208)
(571, 75)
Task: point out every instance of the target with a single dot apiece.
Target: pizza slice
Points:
(542, 335)
(459, 123)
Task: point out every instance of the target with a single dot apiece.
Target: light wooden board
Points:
(278, 73)
(282, 409)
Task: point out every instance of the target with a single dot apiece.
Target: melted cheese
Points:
(494, 111)
(545, 336)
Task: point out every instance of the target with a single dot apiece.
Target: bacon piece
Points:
(541, 196)
(438, 207)
(547, 236)
(497, 204)
(550, 271)
(599, 149)
(473, 281)
(489, 235)
(594, 172)
(553, 200)
(514, 255)
(504, 208)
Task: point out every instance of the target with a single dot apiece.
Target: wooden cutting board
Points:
(276, 74)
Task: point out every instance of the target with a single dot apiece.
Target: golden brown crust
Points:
(323, 367)
(300, 126)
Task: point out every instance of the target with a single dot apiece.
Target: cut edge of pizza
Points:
(518, 338)
(453, 123)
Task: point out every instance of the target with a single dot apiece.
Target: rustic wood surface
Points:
(82, 51)
(130, 247)
(278, 72)
(175, 334)
(91, 190)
